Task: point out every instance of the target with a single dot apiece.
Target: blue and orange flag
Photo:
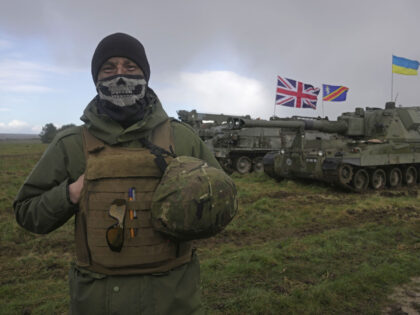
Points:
(404, 66)
(334, 93)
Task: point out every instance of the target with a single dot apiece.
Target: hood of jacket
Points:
(111, 132)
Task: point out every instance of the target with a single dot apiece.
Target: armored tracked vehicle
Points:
(205, 124)
(241, 148)
(369, 147)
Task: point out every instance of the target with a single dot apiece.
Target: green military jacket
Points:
(42, 205)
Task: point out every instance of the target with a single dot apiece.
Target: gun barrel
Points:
(193, 117)
(237, 123)
(326, 126)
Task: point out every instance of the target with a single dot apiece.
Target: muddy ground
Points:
(405, 299)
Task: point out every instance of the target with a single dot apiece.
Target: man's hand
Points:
(75, 189)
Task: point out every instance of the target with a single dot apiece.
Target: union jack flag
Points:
(293, 93)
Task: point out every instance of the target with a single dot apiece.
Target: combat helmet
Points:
(193, 200)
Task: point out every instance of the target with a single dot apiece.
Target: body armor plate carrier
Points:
(110, 173)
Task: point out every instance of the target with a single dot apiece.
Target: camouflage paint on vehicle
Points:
(241, 148)
(373, 147)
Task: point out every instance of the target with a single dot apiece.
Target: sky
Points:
(215, 56)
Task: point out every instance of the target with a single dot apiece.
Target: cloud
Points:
(313, 42)
(18, 126)
(217, 92)
(24, 76)
(36, 129)
(24, 88)
(4, 109)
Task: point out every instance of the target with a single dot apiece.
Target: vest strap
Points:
(91, 144)
(163, 137)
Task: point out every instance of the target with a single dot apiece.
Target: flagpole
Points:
(275, 98)
(274, 111)
(323, 114)
(392, 85)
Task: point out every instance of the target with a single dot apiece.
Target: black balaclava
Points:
(124, 109)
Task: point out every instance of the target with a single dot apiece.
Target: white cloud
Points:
(36, 129)
(18, 126)
(23, 76)
(4, 109)
(217, 92)
(25, 88)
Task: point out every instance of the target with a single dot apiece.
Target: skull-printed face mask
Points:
(122, 90)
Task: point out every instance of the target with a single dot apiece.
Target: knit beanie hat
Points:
(120, 45)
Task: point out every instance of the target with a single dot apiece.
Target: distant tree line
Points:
(49, 131)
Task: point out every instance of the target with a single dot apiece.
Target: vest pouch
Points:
(123, 165)
(82, 251)
(115, 233)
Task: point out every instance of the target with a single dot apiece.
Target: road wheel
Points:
(258, 165)
(345, 173)
(394, 177)
(410, 176)
(243, 164)
(378, 179)
(361, 180)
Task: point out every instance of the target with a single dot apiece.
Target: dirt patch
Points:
(376, 215)
(15, 156)
(58, 246)
(400, 193)
(275, 195)
(405, 299)
(335, 197)
(284, 195)
(325, 199)
(9, 250)
(353, 217)
(279, 194)
(224, 237)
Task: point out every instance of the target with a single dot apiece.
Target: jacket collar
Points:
(111, 132)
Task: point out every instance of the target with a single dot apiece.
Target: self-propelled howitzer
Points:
(319, 125)
(242, 143)
(205, 124)
(372, 146)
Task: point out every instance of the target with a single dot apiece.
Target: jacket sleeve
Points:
(187, 142)
(42, 204)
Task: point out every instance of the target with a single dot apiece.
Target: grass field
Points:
(294, 248)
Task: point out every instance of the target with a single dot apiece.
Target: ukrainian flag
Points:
(404, 66)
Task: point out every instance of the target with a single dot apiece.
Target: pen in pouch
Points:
(131, 211)
(133, 195)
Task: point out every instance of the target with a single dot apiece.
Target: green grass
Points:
(294, 248)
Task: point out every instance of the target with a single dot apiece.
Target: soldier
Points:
(141, 186)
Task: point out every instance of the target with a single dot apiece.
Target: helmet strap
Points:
(159, 153)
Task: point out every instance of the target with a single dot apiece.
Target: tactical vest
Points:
(110, 173)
